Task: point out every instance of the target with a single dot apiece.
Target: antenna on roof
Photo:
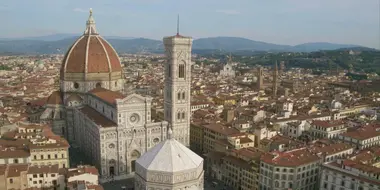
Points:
(178, 25)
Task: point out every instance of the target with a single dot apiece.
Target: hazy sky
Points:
(276, 21)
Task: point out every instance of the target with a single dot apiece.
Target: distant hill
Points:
(56, 37)
(61, 42)
(316, 46)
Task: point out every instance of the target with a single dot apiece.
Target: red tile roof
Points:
(107, 95)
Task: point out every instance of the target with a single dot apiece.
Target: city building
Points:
(169, 165)
(365, 136)
(31, 177)
(294, 169)
(327, 129)
(238, 169)
(228, 70)
(34, 144)
(349, 174)
(109, 127)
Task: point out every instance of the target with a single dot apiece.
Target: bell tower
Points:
(177, 85)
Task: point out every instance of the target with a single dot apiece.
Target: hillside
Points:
(49, 45)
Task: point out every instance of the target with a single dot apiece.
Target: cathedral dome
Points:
(90, 55)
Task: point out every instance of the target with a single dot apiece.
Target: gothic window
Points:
(183, 115)
(98, 85)
(169, 71)
(178, 115)
(181, 71)
(179, 96)
(183, 95)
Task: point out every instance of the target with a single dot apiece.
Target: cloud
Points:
(80, 10)
(228, 12)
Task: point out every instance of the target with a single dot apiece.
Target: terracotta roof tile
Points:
(95, 49)
(14, 170)
(114, 59)
(97, 61)
(363, 133)
(107, 95)
(291, 158)
(76, 59)
(43, 169)
(96, 117)
(55, 98)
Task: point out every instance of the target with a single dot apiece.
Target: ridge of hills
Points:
(58, 43)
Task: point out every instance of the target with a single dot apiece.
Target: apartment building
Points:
(327, 129)
(238, 169)
(214, 132)
(235, 141)
(349, 174)
(35, 144)
(196, 137)
(295, 169)
(45, 176)
(363, 137)
(30, 177)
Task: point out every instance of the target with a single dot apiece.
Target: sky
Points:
(287, 22)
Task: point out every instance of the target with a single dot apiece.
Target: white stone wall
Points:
(45, 180)
(298, 177)
(336, 178)
(118, 147)
(15, 160)
(85, 86)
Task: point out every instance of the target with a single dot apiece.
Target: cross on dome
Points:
(90, 25)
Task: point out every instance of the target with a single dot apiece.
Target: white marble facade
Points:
(126, 134)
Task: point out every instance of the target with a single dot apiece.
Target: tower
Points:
(275, 77)
(282, 67)
(177, 85)
(259, 78)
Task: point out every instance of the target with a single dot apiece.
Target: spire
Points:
(178, 25)
(90, 25)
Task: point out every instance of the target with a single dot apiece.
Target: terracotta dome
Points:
(55, 98)
(90, 54)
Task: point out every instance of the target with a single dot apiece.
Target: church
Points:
(113, 129)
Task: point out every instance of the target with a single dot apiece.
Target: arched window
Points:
(181, 71)
(179, 96)
(178, 115)
(183, 115)
(183, 95)
(98, 85)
